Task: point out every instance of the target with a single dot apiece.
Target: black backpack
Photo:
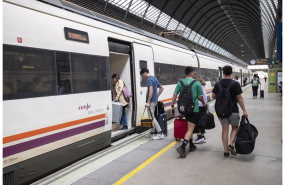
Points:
(224, 102)
(185, 100)
(246, 137)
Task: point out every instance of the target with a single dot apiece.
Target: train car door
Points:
(220, 73)
(142, 57)
(241, 78)
(121, 64)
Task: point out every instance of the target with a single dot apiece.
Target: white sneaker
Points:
(149, 135)
(158, 136)
(201, 140)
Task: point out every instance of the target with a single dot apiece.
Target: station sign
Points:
(76, 35)
(262, 61)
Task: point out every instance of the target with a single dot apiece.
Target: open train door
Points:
(142, 57)
(220, 73)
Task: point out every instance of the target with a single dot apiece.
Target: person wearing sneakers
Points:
(255, 83)
(230, 91)
(191, 117)
(200, 130)
(152, 99)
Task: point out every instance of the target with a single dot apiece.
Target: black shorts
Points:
(192, 117)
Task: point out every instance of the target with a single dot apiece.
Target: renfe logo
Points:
(84, 107)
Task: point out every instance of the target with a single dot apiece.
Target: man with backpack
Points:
(227, 93)
(152, 99)
(255, 83)
(189, 91)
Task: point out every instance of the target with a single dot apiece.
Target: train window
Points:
(105, 74)
(143, 64)
(179, 73)
(210, 75)
(157, 70)
(63, 73)
(28, 72)
(87, 73)
(166, 74)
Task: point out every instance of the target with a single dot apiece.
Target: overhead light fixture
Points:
(170, 32)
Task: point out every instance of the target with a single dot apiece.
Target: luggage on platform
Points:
(159, 109)
(162, 120)
(161, 117)
(180, 128)
(261, 93)
(147, 122)
(246, 137)
(206, 120)
(117, 110)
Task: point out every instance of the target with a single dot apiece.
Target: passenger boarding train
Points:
(57, 91)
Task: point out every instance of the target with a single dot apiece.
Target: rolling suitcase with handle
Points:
(162, 120)
(117, 110)
(180, 128)
(261, 93)
(161, 117)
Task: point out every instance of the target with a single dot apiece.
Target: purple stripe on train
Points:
(167, 104)
(21, 147)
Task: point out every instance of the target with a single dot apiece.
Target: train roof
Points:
(96, 16)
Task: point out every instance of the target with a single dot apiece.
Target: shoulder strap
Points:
(229, 87)
(182, 84)
(220, 85)
(149, 112)
(192, 83)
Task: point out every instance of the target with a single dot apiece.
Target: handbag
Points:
(246, 136)
(210, 121)
(126, 92)
(206, 120)
(147, 122)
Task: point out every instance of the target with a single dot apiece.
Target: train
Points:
(51, 45)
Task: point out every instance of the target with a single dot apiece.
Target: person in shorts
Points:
(192, 117)
(233, 120)
(200, 130)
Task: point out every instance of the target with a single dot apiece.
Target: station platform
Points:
(140, 160)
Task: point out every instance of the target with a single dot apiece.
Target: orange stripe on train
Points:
(49, 129)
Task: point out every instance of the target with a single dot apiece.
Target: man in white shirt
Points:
(236, 79)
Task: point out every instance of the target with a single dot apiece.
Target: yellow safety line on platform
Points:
(140, 167)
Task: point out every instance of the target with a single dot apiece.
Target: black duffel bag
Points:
(206, 120)
(246, 137)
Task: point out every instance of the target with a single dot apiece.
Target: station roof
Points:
(234, 30)
(241, 27)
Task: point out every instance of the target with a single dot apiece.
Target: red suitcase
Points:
(180, 128)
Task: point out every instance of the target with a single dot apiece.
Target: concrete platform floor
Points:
(207, 166)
